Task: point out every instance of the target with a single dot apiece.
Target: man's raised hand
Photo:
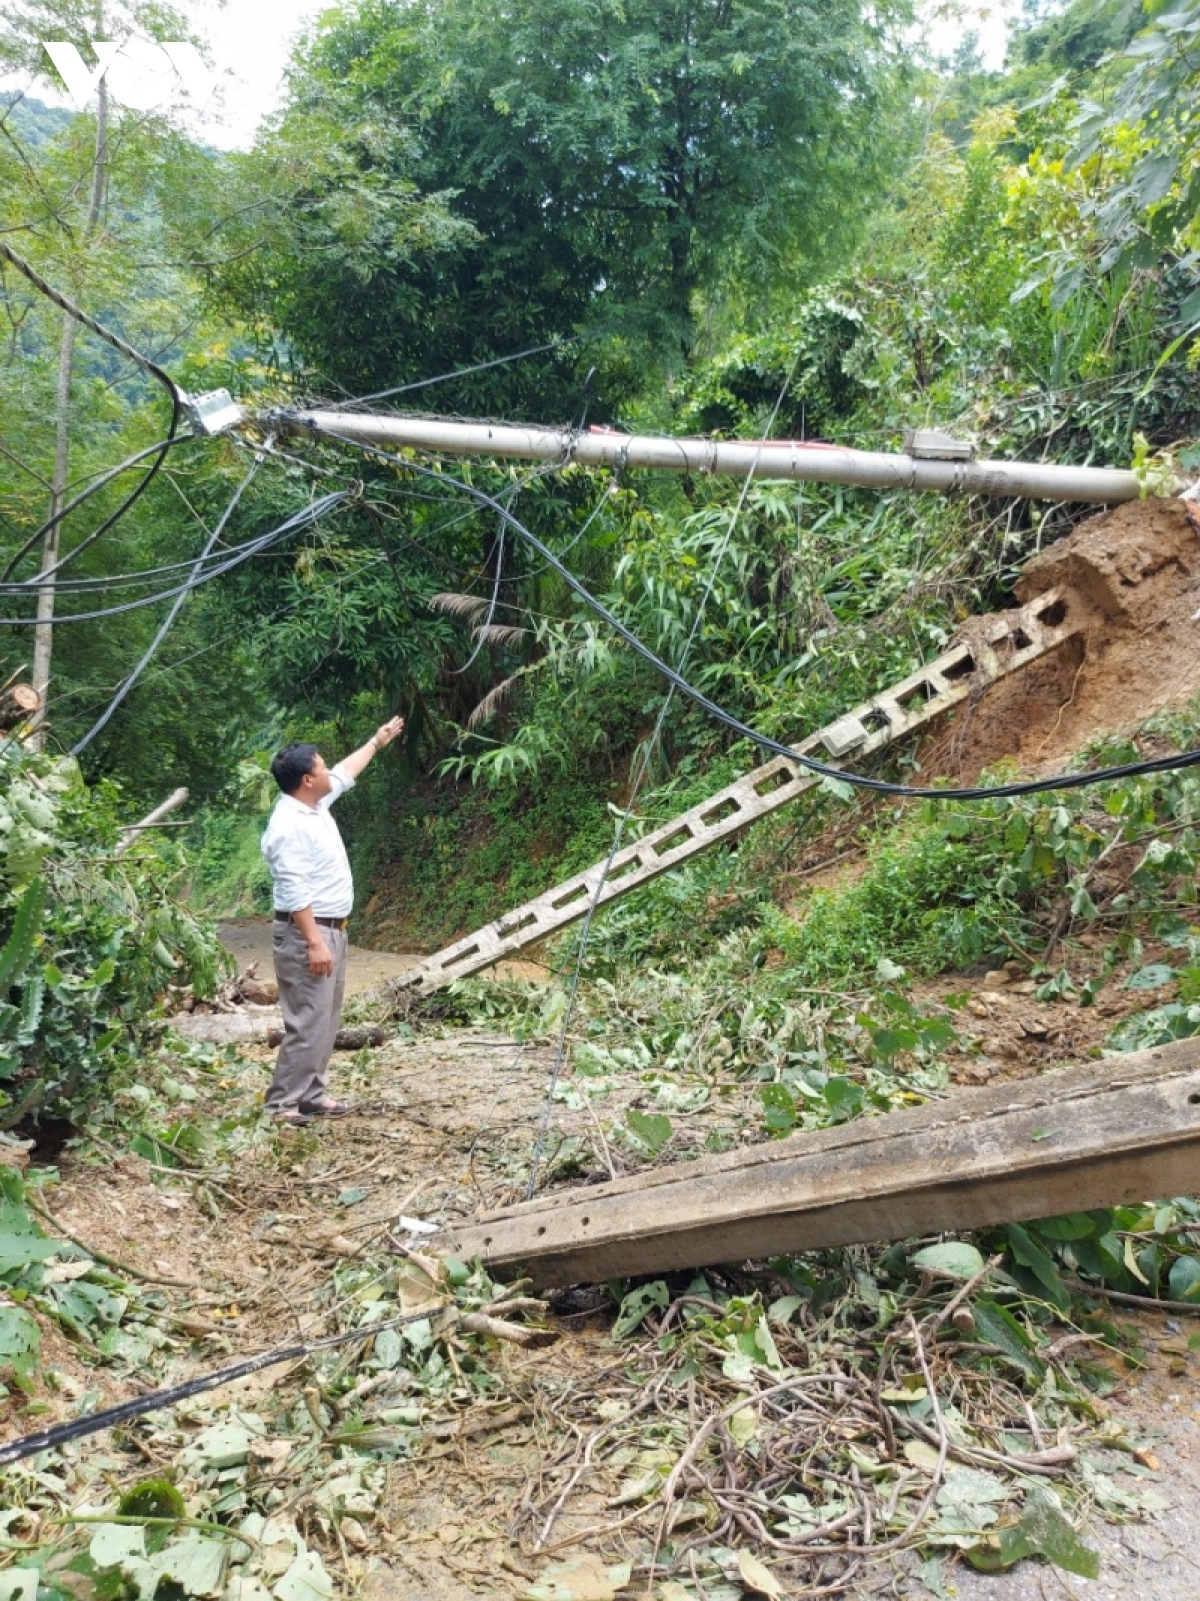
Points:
(387, 732)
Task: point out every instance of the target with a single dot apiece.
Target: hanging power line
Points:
(102, 479)
(881, 786)
(225, 563)
(57, 298)
(460, 372)
(165, 626)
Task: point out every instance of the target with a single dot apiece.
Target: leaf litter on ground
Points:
(803, 1417)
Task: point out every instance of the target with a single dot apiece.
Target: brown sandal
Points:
(324, 1109)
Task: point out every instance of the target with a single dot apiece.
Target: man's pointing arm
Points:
(382, 737)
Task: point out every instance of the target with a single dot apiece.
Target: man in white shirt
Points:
(313, 896)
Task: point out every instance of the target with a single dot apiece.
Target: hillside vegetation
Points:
(749, 219)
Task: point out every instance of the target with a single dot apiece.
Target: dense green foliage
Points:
(959, 884)
(565, 166)
(89, 940)
(745, 216)
(741, 218)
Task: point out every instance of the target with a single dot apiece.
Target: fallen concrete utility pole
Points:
(1006, 644)
(1114, 1132)
(772, 458)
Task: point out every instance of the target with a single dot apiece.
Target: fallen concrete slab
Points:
(1004, 645)
(1123, 1130)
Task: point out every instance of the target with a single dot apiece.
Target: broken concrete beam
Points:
(1123, 1130)
(1006, 644)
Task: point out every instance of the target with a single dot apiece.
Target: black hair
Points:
(291, 765)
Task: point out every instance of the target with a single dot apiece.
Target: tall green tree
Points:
(78, 216)
(612, 159)
(108, 204)
(1148, 92)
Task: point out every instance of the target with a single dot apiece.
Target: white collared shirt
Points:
(304, 851)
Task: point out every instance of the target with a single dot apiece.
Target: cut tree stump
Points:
(1124, 1130)
(18, 704)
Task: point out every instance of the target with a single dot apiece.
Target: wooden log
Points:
(1123, 1130)
(347, 1039)
(19, 703)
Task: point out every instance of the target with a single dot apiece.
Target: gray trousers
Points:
(312, 1010)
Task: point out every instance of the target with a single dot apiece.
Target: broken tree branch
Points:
(129, 837)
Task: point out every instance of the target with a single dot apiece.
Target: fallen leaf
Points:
(758, 1578)
(634, 1490)
(955, 1258)
(970, 1487)
(305, 1580)
(921, 1455)
(194, 1562)
(241, 1587)
(271, 1452)
(585, 1578)
(1041, 1530)
(64, 1272)
(743, 1425)
(1148, 1459)
(115, 1543)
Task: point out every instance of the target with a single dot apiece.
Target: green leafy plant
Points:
(91, 940)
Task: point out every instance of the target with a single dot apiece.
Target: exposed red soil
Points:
(1131, 579)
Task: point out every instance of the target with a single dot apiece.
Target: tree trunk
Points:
(43, 634)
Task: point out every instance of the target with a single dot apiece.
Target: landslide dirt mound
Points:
(1130, 580)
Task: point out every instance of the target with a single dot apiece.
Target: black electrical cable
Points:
(84, 586)
(460, 372)
(104, 478)
(56, 296)
(100, 584)
(242, 553)
(62, 1433)
(880, 786)
(164, 627)
(536, 572)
